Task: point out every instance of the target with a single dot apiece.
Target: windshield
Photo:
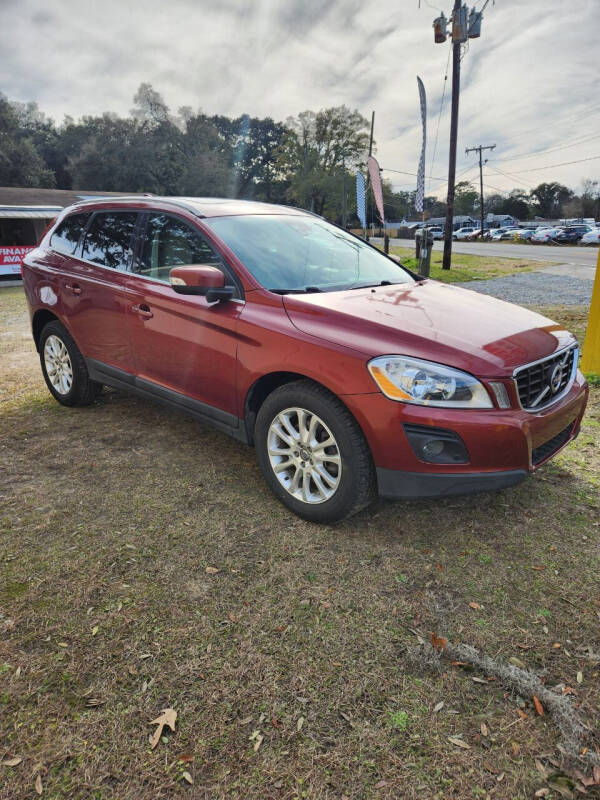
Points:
(297, 253)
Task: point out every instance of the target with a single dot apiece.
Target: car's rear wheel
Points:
(313, 454)
(64, 367)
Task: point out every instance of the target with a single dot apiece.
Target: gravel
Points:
(536, 288)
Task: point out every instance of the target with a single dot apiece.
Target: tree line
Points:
(309, 160)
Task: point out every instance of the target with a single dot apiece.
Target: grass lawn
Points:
(467, 267)
(144, 565)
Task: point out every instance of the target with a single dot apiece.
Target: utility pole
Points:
(479, 150)
(449, 228)
(464, 26)
(344, 190)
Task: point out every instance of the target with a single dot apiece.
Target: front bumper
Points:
(503, 446)
(398, 485)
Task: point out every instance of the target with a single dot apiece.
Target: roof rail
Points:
(173, 201)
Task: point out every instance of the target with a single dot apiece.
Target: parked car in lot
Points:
(572, 234)
(493, 234)
(349, 374)
(509, 234)
(591, 237)
(545, 234)
(525, 234)
(436, 232)
(462, 233)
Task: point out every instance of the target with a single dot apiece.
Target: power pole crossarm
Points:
(479, 149)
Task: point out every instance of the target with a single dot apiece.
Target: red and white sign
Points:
(11, 259)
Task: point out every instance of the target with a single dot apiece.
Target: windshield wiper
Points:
(369, 285)
(305, 290)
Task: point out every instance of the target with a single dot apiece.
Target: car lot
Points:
(140, 573)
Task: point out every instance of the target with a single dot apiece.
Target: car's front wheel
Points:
(64, 367)
(313, 454)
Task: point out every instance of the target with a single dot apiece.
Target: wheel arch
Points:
(40, 319)
(262, 388)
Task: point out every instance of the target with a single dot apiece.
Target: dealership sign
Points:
(11, 259)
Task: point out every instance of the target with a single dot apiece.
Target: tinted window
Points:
(66, 237)
(170, 242)
(109, 237)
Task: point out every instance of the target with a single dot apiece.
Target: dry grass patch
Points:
(111, 516)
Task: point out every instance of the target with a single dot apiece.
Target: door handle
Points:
(143, 310)
(73, 287)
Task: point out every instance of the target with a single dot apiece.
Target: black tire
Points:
(83, 390)
(357, 483)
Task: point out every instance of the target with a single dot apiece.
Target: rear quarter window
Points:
(66, 236)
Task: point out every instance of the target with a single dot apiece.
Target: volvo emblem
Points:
(556, 378)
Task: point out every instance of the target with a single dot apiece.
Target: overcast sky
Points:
(530, 83)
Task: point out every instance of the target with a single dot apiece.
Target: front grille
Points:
(541, 384)
(551, 446)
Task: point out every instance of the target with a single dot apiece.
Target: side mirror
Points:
(201, 279)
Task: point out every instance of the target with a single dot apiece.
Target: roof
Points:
(201, 206)
(29, 212)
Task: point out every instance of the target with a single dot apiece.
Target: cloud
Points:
(528, 83)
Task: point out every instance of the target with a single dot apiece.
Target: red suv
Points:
(350, 375)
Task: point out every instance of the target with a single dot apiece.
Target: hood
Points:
(435, 321)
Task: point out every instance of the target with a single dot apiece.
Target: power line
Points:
(552, 166)
(510, 177)
(520, 156)
(437, 130)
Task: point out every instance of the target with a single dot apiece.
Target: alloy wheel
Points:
(58, 365)
(304, 455)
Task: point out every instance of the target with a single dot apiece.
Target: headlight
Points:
(425, 383)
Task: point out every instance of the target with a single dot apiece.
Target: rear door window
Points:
(109, 239)
(66, 237)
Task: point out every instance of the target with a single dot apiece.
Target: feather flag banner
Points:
(361, 206)
(375, 176)
(420, 193)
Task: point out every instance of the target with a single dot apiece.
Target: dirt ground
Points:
(144, 565)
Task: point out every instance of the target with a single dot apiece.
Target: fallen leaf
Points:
(257, 738)
(92, 702)
(484, 729)
(381, 784)
(299, 724)
(275, 722)
(569, 690)
(211, 570)
(521, 713)
(187, 777)
(543, 792)
(459, 742)
(479, 680)
(538, 706)
(516, 662)
(474, 605)
(556, 646)
(596, 773)
(95, 630)
(438, 706)
(232, 617)
(515, 749)
(500, 777)
(245, 721)
(168, 717)
(63, 644)
(12, 762)
(539, 568)
(38, 784)
(438, 642)
(185, 758)
(580, 677)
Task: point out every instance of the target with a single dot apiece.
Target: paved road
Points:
(586, 256)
